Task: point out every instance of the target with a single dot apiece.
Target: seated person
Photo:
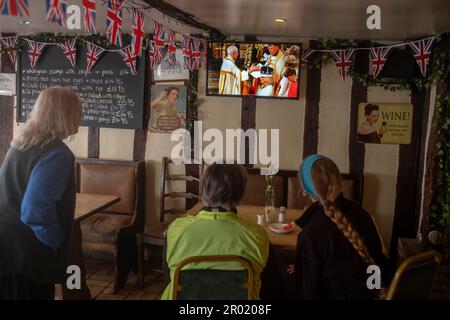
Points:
(339, 239)
(217, 229)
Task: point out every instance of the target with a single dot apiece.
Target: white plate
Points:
(281, 227)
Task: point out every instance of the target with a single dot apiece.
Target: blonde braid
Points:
(347, 229)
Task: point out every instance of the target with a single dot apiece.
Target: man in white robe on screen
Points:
(231, 77)
(277, 62)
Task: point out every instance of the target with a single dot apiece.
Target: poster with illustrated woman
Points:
(167, 108)
(385, 123)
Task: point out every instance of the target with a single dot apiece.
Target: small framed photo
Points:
(167, 72)
(167, 108)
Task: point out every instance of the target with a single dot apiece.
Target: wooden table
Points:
(86, 206)
(249, 213)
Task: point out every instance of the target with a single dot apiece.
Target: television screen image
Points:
(254, 69)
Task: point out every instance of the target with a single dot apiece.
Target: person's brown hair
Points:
(328, 183)
(223, 185)
(290, 72)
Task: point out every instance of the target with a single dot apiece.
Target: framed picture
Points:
(166, 72)
(167, 108)
(385, 123)
(7, 84)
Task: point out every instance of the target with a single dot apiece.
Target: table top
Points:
(249, 213)
(89, 204)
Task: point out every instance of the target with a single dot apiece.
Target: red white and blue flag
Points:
(70, 51)
(187, 52)
(172, 48)
(305, 55)
(34, 51)
(93, 54)
(195, 53)
(90, 16)
(378, 58)
(114, 22)
(56, 11)
(9, 43)
(129, 58)
(159, 39)
(422, 53)
(137, 32)
(14, 8)
(343, 60)
(151, 53)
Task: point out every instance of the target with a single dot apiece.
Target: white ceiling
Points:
(40, 24)
(346, 19)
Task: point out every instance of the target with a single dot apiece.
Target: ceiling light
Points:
(25, 22)
(281, 20)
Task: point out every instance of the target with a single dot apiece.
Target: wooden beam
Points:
(311, 125)
(410, 173)
(93, 142)
(357, 151)
(184, 17)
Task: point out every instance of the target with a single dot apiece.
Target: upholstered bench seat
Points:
(103, 227)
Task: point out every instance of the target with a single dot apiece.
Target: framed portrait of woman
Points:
(168, 72)
(167, 107)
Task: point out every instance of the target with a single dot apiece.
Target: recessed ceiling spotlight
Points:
(281, 20)
(25, 22)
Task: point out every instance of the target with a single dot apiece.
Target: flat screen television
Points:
(263, 70)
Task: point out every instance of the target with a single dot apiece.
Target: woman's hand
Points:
(162, 94)
(290, 269)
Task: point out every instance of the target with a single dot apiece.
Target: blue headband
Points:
(305, 174)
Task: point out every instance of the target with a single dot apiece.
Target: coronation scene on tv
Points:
(282, 151)
(254, 69)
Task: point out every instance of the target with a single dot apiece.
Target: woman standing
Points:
(37, 199)
(339, 239)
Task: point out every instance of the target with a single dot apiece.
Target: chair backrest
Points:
(191, 176)
(255, 192)
(351, 188)
(125, 179)
(212, 284)
(414, 277)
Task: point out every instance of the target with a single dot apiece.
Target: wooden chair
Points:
(191, 195)
(414, 277)
(156, 234)
(112, 232)
(211, 284)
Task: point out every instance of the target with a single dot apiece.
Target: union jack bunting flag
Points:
(14, 8)
(151, 53)
(378, 58)
(114, 22)
(34, 51)
(422, 53)
(343, 60)
(205, 52)
(129, 58)
(8, 43)
(172, 48)
(137, 32)
(70, 51)
(56, 12)
(90, 16)
(93, 54)
(305, 55)
(195, 53)
(159, 39)
(187, 52)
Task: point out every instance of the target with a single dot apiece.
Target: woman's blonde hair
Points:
(55, 115)
(328, 183)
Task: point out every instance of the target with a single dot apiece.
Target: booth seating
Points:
(288, 192)
(112, 232)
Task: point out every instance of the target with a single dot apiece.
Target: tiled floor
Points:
(100, 277)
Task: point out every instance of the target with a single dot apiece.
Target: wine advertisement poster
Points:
(385, 123)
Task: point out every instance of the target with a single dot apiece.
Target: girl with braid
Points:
(339, 239)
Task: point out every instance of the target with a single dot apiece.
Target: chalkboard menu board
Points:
(111, 95)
